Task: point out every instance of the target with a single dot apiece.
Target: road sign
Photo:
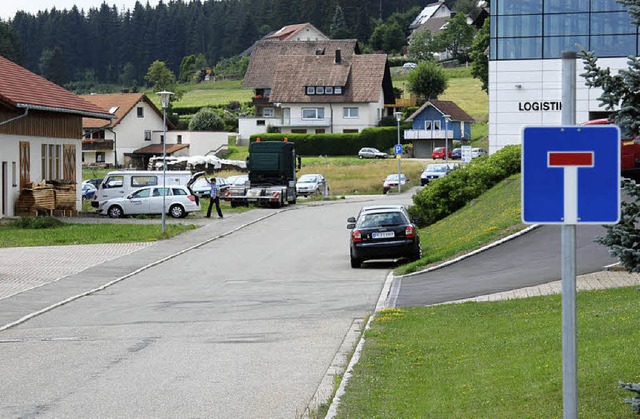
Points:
(571, 175)
(397, 149)
(465, 153)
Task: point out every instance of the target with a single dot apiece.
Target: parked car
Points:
(369, 208)
(439, 152)
(477, 152)
(88, 190)
(434, 171)
(238, 185)
(384, 233)
(96, 181)
(312, 184)
(201, 188)
(456, 153)
(409, 66)
(391, 181)
(178, 201)
(371, 153)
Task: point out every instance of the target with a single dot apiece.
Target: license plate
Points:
(383, 235)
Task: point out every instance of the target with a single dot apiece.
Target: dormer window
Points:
(323, 90)
(328, 90)
(320, 90)
(311, 90)
(337, 90)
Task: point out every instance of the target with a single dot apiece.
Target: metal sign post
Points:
(570, 176)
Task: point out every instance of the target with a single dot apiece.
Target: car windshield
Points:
(308, 179)
(241, 180)
(394, 178)
(200, 182)
(437, 168)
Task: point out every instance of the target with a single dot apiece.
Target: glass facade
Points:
(537, 29)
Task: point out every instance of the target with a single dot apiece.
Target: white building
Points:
(527, 39)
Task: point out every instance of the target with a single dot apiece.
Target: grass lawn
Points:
(496, 360)
(11, 235)
(492, 216)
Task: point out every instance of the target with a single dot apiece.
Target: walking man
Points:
(214, 198)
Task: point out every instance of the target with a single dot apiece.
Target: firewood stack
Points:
(38, 197)
(65, 194)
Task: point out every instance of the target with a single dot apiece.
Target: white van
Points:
(119, 184)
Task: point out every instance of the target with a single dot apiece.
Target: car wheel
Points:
(115, 212)
(418, 254)
(360, 157)
(176, 211)
(356, 263)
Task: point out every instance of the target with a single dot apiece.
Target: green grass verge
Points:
(69, 233)
(496, 360)
(492, 216)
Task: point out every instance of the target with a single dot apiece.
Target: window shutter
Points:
(69, 162)
(25, 164)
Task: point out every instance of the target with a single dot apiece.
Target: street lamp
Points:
(165, 96)
(447, 118)
(398, 116)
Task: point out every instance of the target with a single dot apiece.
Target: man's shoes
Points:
(221, 216)
(207, 216)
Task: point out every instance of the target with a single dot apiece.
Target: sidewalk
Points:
(593, 281)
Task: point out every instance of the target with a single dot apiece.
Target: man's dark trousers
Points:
(216, 200)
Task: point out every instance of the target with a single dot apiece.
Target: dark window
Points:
(178, 191)
(298, 131)
(100, 157)
(260, 122)
(140, 111)
(519, 48)
(179, 139)
(615, 23)
(320, 131)
(614, 46)
(147, 135)
(606, 5)
(517, 7)
(350, 131)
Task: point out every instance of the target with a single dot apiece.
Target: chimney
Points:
(338, 56)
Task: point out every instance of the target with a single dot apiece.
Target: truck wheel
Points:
(234, 204)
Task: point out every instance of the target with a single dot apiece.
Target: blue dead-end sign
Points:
(571, 175)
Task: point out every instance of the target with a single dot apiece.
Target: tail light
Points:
(409, 232)
(227, 193)
(192, 198)
(356, 236)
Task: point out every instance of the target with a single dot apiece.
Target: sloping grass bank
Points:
(496, 360)
(492, 216)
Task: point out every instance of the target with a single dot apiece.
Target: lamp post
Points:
(398, 116)
(447, 118)
(165, 96)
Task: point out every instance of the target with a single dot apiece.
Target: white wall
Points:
(200, 143)
(248, 126)
(9, 152)
(515, 87)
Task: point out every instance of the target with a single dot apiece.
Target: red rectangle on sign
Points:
(564, 158)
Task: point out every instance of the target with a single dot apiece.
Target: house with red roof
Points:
(40, 133)
(137, 132)
(137, 123)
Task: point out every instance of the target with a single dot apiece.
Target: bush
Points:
(452, 192)
(207, 120)
(35, 223)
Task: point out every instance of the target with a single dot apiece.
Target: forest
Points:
(112, 46)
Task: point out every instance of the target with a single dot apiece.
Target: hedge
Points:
(446, 195)
(382, 138)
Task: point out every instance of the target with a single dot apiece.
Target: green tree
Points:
(160, 77)
(128, 75)
(479, 58)
(53, 66)
(394, 38)
(457, 37)
(206, 119)
(187, 67)
(467, 7)
(620, 97)
(427, 80)
(9, 45)
(422, 46)
(338, 28)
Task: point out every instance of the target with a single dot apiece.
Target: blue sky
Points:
(8, 8)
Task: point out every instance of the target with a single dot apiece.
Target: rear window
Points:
(179, 191)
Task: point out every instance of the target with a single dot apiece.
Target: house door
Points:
(286, 116)
(25, 164)
(4, 176)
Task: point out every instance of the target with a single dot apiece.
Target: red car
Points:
(438, 153)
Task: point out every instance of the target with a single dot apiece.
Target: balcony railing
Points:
(259, 100)
(94, 145)
(423, 134)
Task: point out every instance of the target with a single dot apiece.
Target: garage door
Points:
(422, 149)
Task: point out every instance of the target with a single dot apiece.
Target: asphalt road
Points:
(245, 326)
(531, 259)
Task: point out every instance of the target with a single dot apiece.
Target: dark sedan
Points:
(383, 234)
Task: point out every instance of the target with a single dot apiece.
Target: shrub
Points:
(452, 192)
(34, 223)
(207, 120)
